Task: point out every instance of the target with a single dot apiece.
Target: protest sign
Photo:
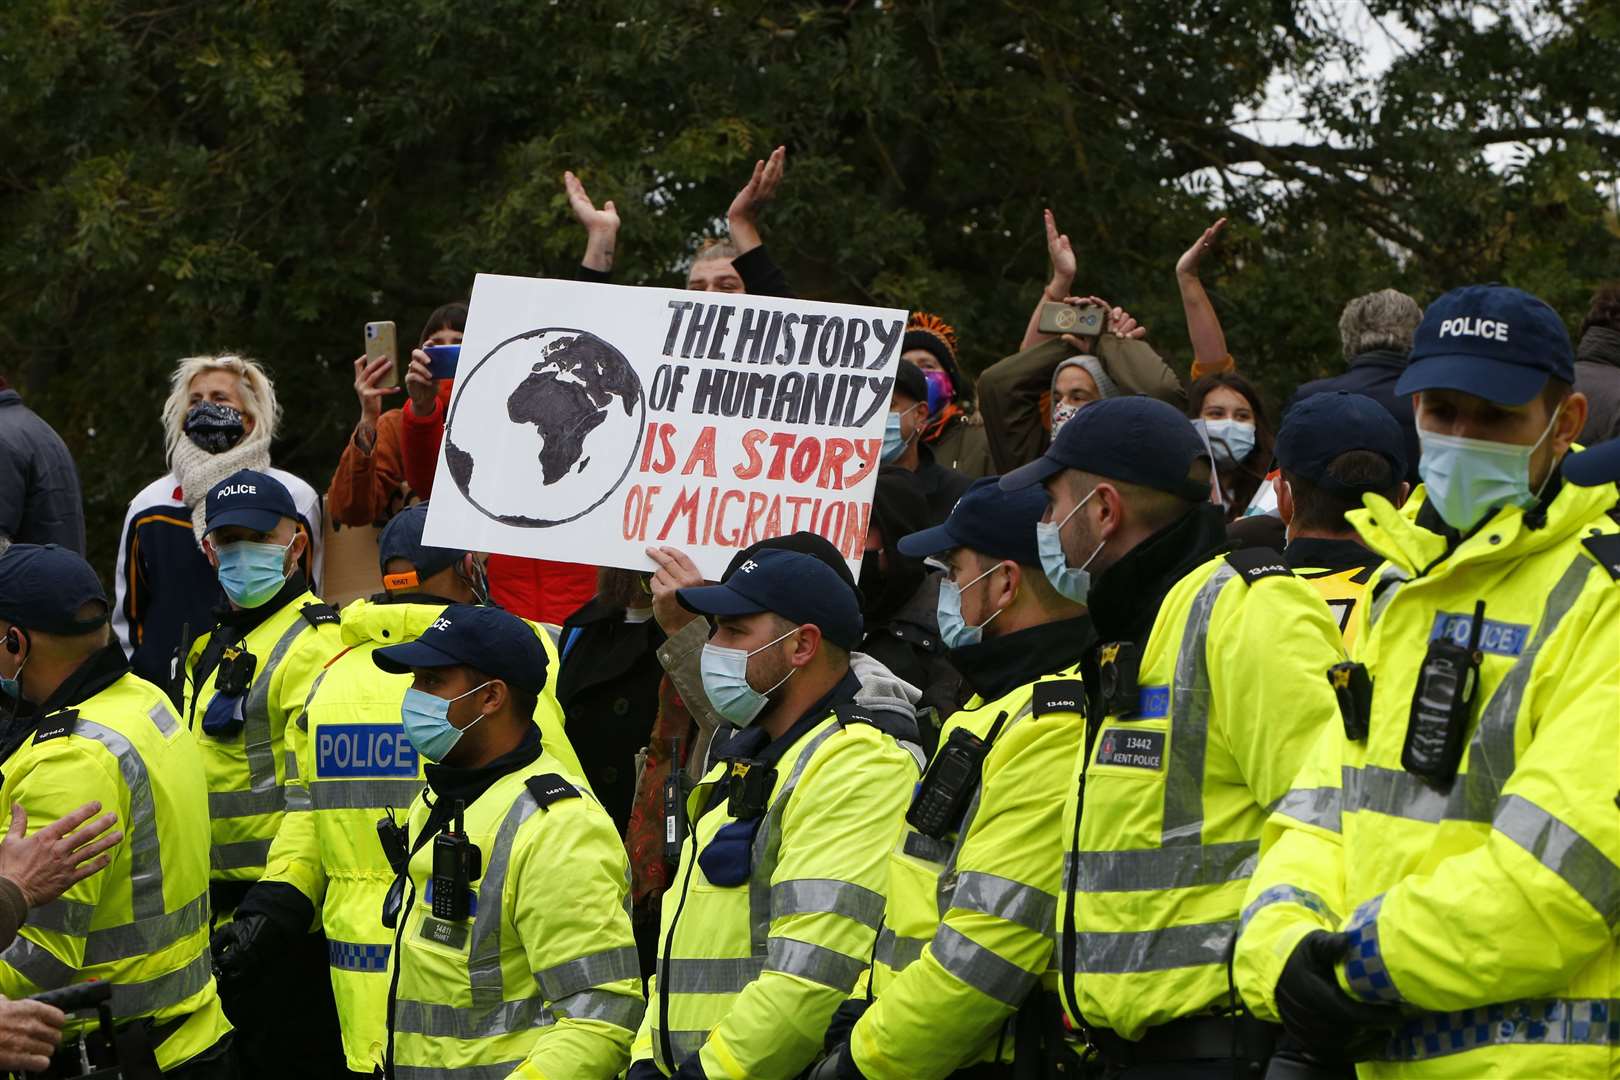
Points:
(589, 422)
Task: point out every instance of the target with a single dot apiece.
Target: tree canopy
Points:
(265, 177)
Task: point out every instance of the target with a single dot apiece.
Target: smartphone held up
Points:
(381, 341)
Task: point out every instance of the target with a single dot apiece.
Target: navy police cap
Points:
(251, 499)
(402, 539)
(1492, 341)
(1138, 440)
(487, 639)
(799, 587)
(1324, 426)
(45, 587)
(996, 523)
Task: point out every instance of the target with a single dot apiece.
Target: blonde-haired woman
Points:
(220, 417)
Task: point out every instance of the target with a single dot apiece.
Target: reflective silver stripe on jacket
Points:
(708, 976)
(687, 1043)
(588, 972)
(1583, 866)
(1154, 950)
(1546, 1022)
(1390, 582)
(464, 1072)
(1321, 806)
(163, 718)
(145, 858)
(235, 804)
(438, 1020)
(108, 945)
(241, 855)
(814, 896)
(484, 951)
(256, 738)
(981, 968)
(768, 846)
(945, 888)
(1189, 720)
(1004, 898)
(896, 951)
(817, 963)
(362, 794)
(1288, 894)
(1490, 758)
(165, 991)
(63, 916)
(621, 1010)
(1154, 869)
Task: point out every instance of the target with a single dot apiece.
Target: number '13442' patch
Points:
(1132, 749)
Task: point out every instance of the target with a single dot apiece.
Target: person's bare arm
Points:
(1064, 266)
(601, 226)
(30, 1031)
(58, 856)
(1203, 327)
(743, 215)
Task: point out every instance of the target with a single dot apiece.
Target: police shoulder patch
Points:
(851, 712)
(549, 788)
(1254, 563)
(56, 725)
(320, 614)
(1606, 550)
(1057, 695)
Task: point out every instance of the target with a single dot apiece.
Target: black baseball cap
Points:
(251, 499)
(1492, 341)
(1139, 440)
(993, 522)
(1324, 426)
(492, 641)
(1594, 466)
(402, 539)
(800, 588)
(910, 381)
(42, 587)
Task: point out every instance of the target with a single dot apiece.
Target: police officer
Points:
(351, 764)
(1442, 886)
(92, 730)
(1334, 449)
(245, 679)
(1201, 695)
(784, 844)
(512, 942)
(973, 881)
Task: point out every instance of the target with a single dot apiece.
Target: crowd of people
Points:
(1160, 733)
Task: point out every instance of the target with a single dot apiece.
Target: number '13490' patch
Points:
(1130, 748)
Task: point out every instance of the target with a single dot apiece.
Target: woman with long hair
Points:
(1229, 412)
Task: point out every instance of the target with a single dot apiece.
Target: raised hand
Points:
(743, 214)
(601, 226)
(366, 378)
(1061, 252)
(675, 571)
(1187, 265)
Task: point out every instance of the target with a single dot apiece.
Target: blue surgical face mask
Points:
(1468, 479)
(893, 443)
(1072, 583)
(953, 629)
(725, 681)
(427, 722)
(1230, 441)
(252, 573)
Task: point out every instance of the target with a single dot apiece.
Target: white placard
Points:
(589, 422)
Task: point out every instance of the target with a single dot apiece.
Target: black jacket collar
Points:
(998, 665)
(451, 783)
(1320, 553)
(1380, 358)
(1125, 598)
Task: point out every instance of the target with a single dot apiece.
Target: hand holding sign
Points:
(675, 571)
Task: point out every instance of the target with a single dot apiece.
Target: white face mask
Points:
(1468, 479)
(725, 681)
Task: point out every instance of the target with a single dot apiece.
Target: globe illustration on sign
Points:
(543, 429)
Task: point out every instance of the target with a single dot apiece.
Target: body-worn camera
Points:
(675, 824)
(1442, 705)
(1087, 321)
(457, 863)
(748, 788)
(1352, 686)
(236, 670)
(1119, 665)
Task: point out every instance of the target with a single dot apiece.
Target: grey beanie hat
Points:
(1106, 387)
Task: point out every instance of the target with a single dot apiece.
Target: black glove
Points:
(1317, 1012)
(240, 946)
(644, 1070)
(844, 1019)
(837, 1065)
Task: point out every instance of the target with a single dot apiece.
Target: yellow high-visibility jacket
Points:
(142, 923)
(1486, 909)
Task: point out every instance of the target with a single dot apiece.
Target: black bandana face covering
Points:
(213, 427)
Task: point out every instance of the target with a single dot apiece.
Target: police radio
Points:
(457, 863)
(748, 789)
(948, 785)
(1442, 705)
(674, 805)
